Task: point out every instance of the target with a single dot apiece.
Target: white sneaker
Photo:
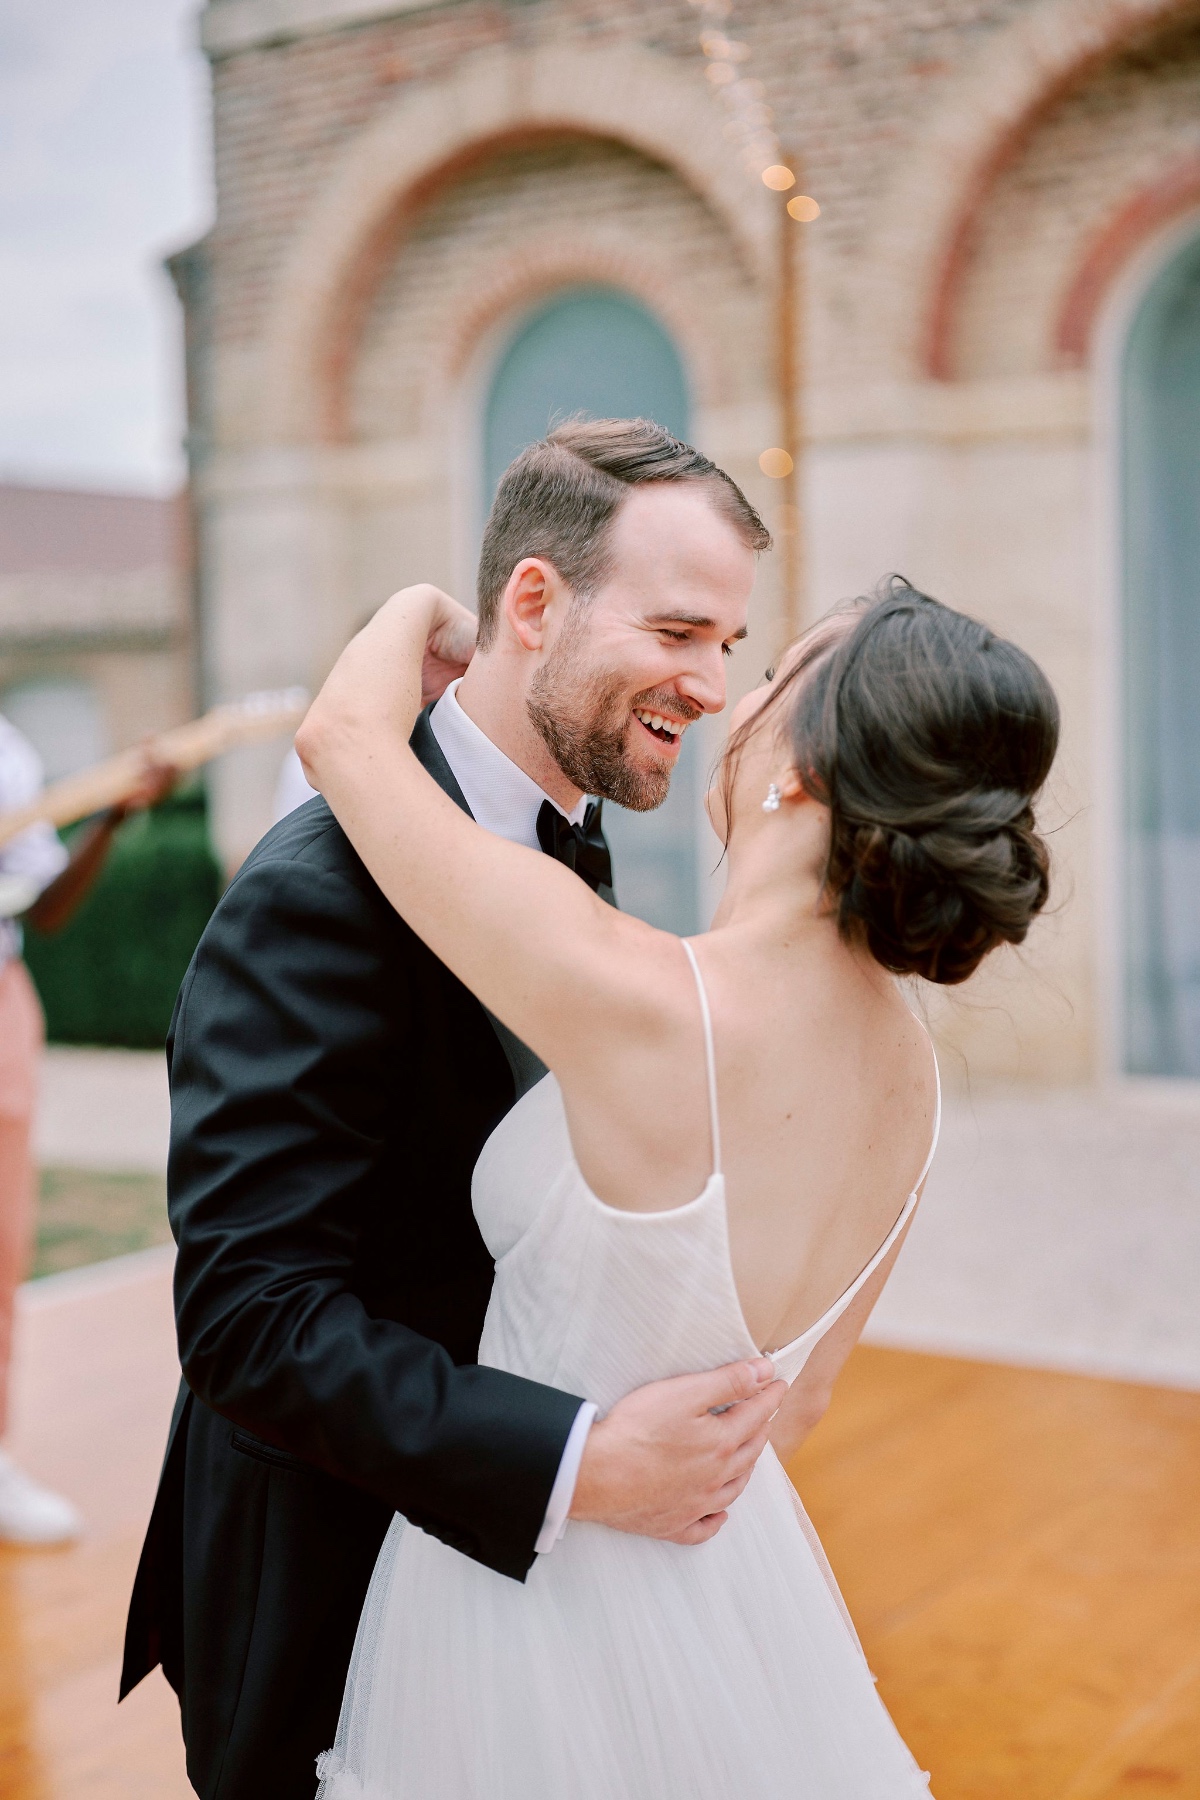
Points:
(30, 1514)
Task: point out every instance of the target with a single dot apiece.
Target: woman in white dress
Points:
(722, 1162)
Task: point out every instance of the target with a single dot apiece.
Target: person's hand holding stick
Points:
(57, 904)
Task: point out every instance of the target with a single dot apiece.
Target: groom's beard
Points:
(584, 720)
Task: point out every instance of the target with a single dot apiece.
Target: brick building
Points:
(438, 220)
(96, 641)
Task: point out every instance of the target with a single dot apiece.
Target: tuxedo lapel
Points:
(428, 753)
(527, 1069)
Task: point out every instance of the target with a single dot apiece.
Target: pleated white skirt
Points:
(623, 1669)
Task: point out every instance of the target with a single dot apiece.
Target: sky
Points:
(105, 167)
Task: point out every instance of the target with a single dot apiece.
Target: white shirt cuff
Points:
(563, 1491)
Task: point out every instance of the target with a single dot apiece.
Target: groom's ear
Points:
(531, 590)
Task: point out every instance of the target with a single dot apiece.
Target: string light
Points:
(750, 126)
(750, 121)
(776, 463)
(723, 49)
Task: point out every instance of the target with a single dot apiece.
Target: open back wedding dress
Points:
(623, 1668)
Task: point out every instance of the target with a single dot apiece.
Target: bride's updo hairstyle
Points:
(929, 738)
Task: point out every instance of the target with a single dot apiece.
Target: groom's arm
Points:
(280, 1071)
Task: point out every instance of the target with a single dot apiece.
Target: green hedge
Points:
(111, 976)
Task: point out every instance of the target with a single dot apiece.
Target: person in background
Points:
(42, 882)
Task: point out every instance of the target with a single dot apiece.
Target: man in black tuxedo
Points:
(332, 1085)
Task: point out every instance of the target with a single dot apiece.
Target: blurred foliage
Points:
(85, 1217)
(111, 976)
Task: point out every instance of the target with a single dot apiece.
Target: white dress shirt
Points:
(505, 800)
(291, 788)
(30, 861)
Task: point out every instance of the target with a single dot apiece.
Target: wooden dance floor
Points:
(1021, 1552)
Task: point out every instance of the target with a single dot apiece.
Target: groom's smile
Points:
(659, 717)
(663, 731)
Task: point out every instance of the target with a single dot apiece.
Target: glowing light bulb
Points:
(804, 208)
(779, 177)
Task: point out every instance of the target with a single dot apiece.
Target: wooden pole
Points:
(256, 718)
(789, 378)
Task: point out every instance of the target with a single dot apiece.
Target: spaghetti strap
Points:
(710, 1059)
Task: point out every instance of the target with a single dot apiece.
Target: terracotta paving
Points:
(1021, 1551)
(96, 1381)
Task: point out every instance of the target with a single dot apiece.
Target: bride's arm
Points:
(521, 931)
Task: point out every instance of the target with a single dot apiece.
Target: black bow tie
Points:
(580, 847)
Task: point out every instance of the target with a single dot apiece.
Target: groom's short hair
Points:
(559, 498)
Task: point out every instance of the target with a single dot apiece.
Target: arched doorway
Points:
(596, 350)
(1161, 483)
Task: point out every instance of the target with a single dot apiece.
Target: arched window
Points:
(1161, 479)
(595, 350)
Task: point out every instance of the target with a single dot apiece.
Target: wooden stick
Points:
(789, 353)
(184, 747)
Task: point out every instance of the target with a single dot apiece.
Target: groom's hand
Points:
(670, 1458)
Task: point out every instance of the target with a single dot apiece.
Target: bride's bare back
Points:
(827, 1099)
(828, 1094)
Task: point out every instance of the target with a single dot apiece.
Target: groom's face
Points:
(635, 664)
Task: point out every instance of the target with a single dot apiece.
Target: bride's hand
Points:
(448, 648)
(404, 657)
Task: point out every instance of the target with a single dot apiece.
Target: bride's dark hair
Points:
(928, 737)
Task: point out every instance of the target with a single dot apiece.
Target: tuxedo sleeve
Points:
(277, 1053)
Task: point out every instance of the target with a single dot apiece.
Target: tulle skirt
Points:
(622, 1669)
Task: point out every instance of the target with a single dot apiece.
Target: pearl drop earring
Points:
(773, 799)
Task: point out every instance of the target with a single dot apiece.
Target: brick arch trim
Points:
(929, 210)
(1172, 197)
(637, 97)
(540, 270)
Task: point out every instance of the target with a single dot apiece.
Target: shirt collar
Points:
(502, 797)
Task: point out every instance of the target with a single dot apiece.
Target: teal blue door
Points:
(596, 351)
(589, 350)
(1161, 479)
